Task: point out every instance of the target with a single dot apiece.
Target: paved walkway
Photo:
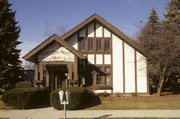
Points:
(50, 113)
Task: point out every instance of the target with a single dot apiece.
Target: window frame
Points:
(83, 41)
(109, 44)
(90, 45)
(99, 44)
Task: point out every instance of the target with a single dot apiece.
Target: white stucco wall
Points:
(129, 69)
(56, 53)
(117, 65)
(99, 59)
(107, 59)
(98, 30)
(90, 58)
(102, 91)
(106, 33)
(141, 73)
(73, 41)
(91, 30)
(117, 57)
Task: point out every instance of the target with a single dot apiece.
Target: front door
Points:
(60, 78)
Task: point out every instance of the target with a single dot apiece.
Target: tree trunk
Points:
(160, 85)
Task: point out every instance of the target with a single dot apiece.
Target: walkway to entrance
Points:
(50, 113)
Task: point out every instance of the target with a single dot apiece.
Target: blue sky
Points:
(124, 14)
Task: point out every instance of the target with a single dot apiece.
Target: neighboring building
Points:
(28, 75)
(94, 53)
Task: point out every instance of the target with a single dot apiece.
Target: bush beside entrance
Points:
(77, 98)
(23, 98)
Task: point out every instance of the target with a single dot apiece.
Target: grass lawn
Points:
(132, 105)
(168, 102)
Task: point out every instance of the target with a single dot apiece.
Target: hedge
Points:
(77, 98)
(24, 84)
(24, 98)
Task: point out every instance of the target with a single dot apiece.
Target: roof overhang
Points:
(110, 27)
(96, 17)
(31, 55)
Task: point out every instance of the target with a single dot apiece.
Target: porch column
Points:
(47, 78)
(70, 71)
(41, 70)
(51, 80)
(76, 70)
(36, 70)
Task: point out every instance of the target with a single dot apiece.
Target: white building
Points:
(94, 53)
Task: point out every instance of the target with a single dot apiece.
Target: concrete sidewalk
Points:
(50, 113)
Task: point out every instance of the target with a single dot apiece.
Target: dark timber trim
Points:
(135, 70)
(96, 17)
(36, 72)
(60, 41)
(56, 62)
(147, 71)
(123, 67)
(111, 49)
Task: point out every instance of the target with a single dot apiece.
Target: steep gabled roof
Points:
(50, 40)
(69, 47)
(106, 24)
(110, 27)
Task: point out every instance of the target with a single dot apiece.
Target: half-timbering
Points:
(94, 53)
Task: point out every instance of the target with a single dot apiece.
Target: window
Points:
(107, 44)
(98, 44)
(107, 69)
(90, 44)
(107, 79)
(98, 79)
(82, 44)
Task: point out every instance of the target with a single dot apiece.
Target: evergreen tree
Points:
(173, 11)
(161, 39)
(171, 25)
(147, 37)
(10, 68)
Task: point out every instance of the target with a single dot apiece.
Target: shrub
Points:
(2, 91)
(77, 98)
(104, 94)
(99, 87)
(23, 84)
(23, 98)
(134, 95)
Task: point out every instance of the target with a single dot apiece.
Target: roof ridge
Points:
(104, 23)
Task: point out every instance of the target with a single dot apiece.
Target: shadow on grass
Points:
(104, 116)
(44, 104)
(91, 102)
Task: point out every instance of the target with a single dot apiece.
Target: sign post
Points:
(64, 99)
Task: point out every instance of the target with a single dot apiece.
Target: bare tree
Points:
(28, 65)
(162, 40)
(60, 30)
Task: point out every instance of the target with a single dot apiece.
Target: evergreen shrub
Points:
(78, 97)
(24, 98)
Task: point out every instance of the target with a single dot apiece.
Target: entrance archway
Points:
(58, 76)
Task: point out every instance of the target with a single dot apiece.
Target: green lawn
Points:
(132, 105)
